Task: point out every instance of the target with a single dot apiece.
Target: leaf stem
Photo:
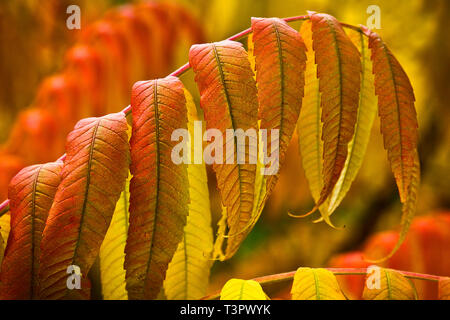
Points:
(236, 37)
(4, 207)
(288, 276)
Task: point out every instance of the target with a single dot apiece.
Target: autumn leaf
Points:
(112, 251)
(237, 289)
(315, 284)
(229, 101)
(2, 248)
(260, 190)
(261, 195)
(159, 189)
(392, 286)
(396, 110)
(31, 194)
(280, 61)
(339, 71)
(444, 289)
(309, 126)
(188, 273)
(5, 226)
(4, 232)
(365, 117)
(278, 52)
(93, 176)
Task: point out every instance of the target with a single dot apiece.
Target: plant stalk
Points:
(288, 276)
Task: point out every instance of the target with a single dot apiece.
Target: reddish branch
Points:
(288, 276)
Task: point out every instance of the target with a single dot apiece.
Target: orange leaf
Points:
(93, 176)
(84, 62)
(35, 130)
(159, 193)
(280, 76)
(396, 110)
(31, 194)
(229, 101)
(9, 167)
(339, 72)
(61, 96)
(444, 289)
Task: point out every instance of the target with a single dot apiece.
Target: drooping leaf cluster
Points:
(120, 197)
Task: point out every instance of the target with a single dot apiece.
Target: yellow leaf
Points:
(392, 286)
(4, 233)
(221, 236)
(315, 284)
(2, 248)
(112, 251)
(237, 289)
(366, 114)
(309, 126)
(444, 289)
(250, 52)
(5, 226)
(188, 273)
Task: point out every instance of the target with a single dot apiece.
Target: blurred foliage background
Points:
(34, 40)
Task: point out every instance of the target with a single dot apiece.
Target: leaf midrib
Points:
(86, 192)
(282, 86)
(227, 97)
(397, 104)
(339, 56)
(32, 222)
(357, 125)
(158, 178)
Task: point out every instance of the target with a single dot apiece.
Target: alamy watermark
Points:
(373, 280)
(74, 20)
(74, 279)
(374, 20)
(234, 140)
